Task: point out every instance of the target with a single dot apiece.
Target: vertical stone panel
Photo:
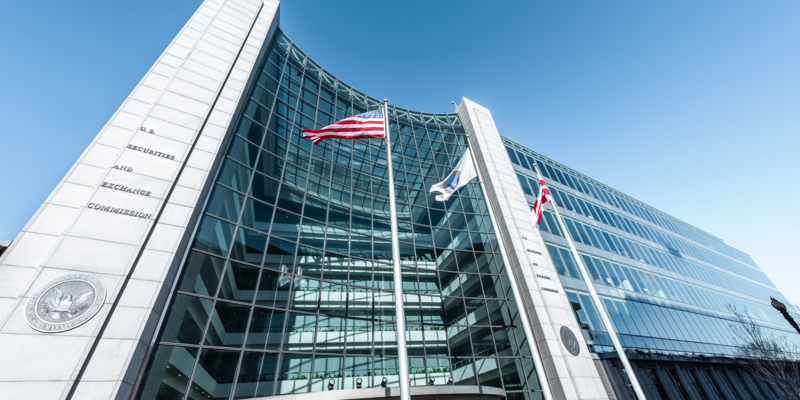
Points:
(570, 377)
(153, 157)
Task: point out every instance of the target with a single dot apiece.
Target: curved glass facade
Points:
(288, 282)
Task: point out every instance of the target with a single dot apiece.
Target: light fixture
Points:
(331, 383)
(358, 383)
(431, 381)
(384, 382)
(450, 381)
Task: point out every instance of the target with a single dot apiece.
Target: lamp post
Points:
(782, 308)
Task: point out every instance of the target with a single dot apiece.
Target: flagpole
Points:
(523, 310)
(402, 349)
(598, 304)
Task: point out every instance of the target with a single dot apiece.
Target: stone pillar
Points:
(121, 215)
(570, 376)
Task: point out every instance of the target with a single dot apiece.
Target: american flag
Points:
(542, 203)
(362, 126)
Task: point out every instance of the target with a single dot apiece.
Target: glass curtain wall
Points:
(644, 288)
(288, 282)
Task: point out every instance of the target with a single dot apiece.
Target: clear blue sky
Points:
(690, 106)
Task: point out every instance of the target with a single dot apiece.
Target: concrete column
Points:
(153, 157)
(570, 376)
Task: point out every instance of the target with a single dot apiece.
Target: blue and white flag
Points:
(461, 175)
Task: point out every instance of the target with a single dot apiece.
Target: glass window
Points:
(326, 368)
(228, 325)
(168, 376)
(214, 236)
(214, 376)
(248, 246)
(294, 374)
(225, 203)
(202, 274)
(187, 320)
(239, 283)
(257, 374)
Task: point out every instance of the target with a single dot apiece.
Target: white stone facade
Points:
(570, 377)
(181, 110)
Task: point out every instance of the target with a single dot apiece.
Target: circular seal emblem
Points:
(570, 341)
(65, 303)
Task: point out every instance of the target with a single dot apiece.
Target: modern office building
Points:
(200, 248)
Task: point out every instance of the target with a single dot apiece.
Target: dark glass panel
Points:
(451, 284)
(476, 312)
(225, 203)
(466, 261)
(316, 208)
(249, 129)
(268, 82)
(187, 320)
(382, 250)
(442, 239)
(201, 274)
(488, 372)
(511, 368)
(168, 376)
(213, 378)
(446, 260)
(280, 255)
(257, 215)
(214, 236)
(454, 311)
(285, 225)
(264, 188)
(266, 328)
(275, 145)
(270, 165)
(261, 95)
(239, 283)
(228, 325)
(248, 246)
(243, 151)
(291, 200)
(471, 285)
(482, 342)
(235, 175)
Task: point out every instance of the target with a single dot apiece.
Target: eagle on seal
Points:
(64, 304)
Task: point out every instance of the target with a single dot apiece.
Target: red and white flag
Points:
(368, 125)
(542, 203)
